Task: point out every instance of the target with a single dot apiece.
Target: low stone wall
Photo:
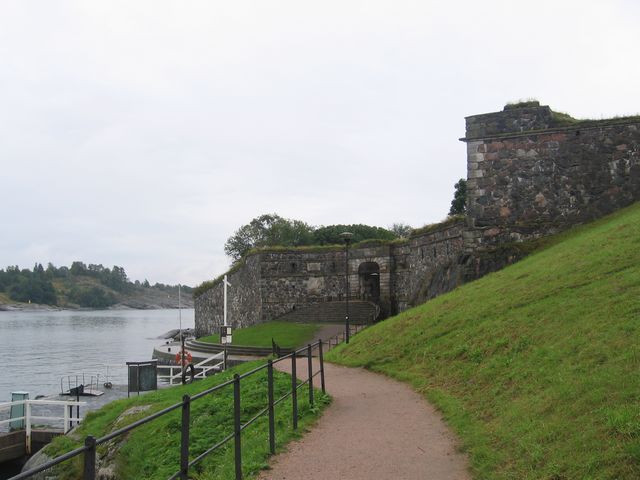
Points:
(273, 283)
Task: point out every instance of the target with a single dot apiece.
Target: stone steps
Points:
(360, 312)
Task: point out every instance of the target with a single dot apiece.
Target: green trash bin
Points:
(18, 411)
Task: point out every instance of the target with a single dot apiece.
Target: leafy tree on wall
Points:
(459, 202)
(272, 230)
(401, 230)
(267, 230)
(330, 234)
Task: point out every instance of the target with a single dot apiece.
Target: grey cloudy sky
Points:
(143, 133)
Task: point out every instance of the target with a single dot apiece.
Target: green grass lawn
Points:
(285, 334)
(536, 367)
(153, 450)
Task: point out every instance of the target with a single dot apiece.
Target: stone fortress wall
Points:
(394, 275)
(531, 172)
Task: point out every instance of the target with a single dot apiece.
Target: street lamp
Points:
(346, 237)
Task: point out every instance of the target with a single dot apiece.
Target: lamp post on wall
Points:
(346, 237)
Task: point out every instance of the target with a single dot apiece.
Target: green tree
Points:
(330, 234)
(91, 297)
(272, 230)
(459, 202)
(268, 230)
(401, 230)
(78, 268)
(32, 287)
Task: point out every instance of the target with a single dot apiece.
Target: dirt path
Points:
(376, 428)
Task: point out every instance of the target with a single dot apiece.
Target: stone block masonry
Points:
(529, 177)
(531, 172)
(274, 282)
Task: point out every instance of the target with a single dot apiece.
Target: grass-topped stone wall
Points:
(270, 282)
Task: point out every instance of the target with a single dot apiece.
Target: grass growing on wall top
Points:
(285, 334)
(153, 450)
(536, 367)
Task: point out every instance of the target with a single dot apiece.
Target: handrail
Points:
(89, 449)
(68, 418)
(203, 366)
(42, 402)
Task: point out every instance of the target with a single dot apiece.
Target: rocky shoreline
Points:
(132, 304)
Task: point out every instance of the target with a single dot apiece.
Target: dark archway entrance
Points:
(369, 276)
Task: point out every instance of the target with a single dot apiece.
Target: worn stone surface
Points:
(534, 184)
(244, 301)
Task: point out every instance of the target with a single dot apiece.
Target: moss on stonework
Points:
(453, 219)
(561, 119)
(209, 284)
(528, 103)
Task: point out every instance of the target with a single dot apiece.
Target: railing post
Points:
(237, 426)
(294, 391)
(27, 421)
(184, 440)
(321, 365)
(90, 458)
(310, 369)
(67, 425)
(272, 421)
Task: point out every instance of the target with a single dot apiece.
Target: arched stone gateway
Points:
(369, 278)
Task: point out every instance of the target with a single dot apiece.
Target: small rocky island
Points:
(84, 286)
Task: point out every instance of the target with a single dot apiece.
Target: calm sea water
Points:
(41, 348)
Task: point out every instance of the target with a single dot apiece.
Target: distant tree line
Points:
(37, 285)
(26, 285)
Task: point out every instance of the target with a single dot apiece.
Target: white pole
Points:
(66, 419)
(180, 308)
(225, 300)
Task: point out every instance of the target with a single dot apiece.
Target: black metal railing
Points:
(91, 443)
(340, 337)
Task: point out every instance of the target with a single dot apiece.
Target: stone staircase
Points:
(360, 313)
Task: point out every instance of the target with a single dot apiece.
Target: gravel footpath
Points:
(376, 428)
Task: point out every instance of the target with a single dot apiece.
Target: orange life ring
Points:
(188, 358)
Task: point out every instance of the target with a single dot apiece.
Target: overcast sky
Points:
(144, 133)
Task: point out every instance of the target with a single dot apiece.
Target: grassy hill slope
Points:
(536, 367)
